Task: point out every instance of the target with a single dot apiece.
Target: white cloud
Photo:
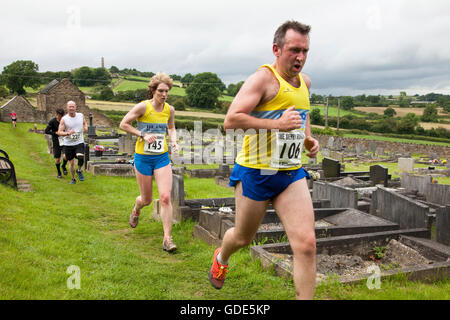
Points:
(370, 46)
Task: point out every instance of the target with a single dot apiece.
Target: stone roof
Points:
(54, 83)
(48, 87)
(13, 99)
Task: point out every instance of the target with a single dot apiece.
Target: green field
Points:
(333, 111)
(57, 225)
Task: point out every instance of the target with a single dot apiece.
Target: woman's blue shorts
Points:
(260, 187)
(146, 164)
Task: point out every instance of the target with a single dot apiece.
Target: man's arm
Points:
(62, 129)
(248, 98)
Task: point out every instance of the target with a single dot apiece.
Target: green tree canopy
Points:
(389, 112)
(430, 114)
(233, 88)
(408, 123)
(20, 74)
(347, 103)
(204, 91)
(187, 79)
(88, 77)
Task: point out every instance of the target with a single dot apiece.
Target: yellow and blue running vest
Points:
(256, 148)
(152, 122)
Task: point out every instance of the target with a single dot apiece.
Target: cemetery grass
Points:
(57, 225)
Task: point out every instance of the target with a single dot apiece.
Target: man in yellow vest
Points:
(273, 106)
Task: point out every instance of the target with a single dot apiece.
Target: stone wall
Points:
(438, 193)
(409, 214)
(396, 147)
(339, 196)
(415, 183)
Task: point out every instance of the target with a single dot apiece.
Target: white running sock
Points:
(220, 260)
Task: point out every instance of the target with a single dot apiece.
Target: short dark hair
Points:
(60, 111)
(290, 24)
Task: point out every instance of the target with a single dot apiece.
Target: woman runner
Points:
(151, 158)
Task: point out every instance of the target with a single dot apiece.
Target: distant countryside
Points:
(204, 96)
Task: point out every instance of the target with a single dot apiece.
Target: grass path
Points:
(57, 225)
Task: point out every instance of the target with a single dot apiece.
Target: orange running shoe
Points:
(217, 272)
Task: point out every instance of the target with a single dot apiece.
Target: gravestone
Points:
(336, 155)
(312, 160)
(433, 156)
(91, 128)
(223, 171)
(325, 152)
(330, 143)
(405, 164)
(373, 147)
(443, 225)
(331, 168)
(359, 148)
(379, 151)
(379, 175)
(337, 144)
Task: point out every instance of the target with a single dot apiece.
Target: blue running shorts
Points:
(146, 164)
(259, 187)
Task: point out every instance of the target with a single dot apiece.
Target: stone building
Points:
(25, 111)
(55, 95)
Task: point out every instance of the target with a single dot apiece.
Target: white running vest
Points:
(75, 123)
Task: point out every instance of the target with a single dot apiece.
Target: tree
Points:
(389, 112)
(20, 74)
(204, 91)
(347, 103)
(114, 69)
(430, 114)
(3, 92)
(408, 123)
(84, 77)
(106, 94)
(315, 116)
(87, 77)
(187, 79)
(233, 89)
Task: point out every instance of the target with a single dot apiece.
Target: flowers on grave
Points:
(99, 148)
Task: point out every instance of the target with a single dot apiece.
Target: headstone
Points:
(339, 156)
(177, 194)
(331, 168)
(443, 225)
(405, 164)
(337, 144)
(312, 160)
(379, 151)
(359, 149)
(433, 156)
(330, 143)
(379, 175)
(373, 146)
(91, 128)
(325, 152)
(223, 171)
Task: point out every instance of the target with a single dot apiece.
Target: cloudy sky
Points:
(372, 47)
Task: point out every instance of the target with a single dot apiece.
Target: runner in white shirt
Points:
(71, 127)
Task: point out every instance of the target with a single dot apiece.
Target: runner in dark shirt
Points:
(51, 129)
